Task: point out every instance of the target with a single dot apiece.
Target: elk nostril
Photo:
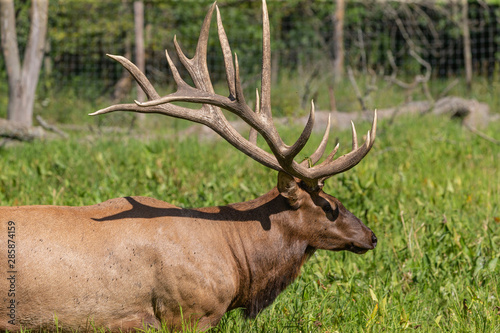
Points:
(374, 240)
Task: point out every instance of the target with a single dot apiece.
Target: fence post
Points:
(467, 46)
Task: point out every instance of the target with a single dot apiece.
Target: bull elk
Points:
(136, 261)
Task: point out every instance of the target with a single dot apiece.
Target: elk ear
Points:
(289, 189)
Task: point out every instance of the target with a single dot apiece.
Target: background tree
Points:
(23, 74)
(338, 37)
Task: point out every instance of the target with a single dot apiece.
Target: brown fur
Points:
(138, 261)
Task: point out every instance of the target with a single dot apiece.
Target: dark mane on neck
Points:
(277, 281)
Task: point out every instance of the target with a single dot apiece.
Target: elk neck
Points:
(267, 246)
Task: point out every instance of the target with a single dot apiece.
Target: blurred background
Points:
(319, 49)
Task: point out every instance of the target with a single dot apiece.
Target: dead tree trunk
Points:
(338, 37)
(23, 75)
(15, 131)
(139, 43)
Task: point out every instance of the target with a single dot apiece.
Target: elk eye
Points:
(330, 212)
(328, 209)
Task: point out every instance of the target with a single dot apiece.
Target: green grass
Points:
(71, 103)
(429, 189)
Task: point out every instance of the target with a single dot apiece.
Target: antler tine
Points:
(302, 140)
(318, 153)
(126, 107)
(136, 73)
(197, 66)
(331, 167)
(228, 58)
(354, 137)
(175, 73)
(143, 82)
(252, 137)
(240, 97)
(374, 127)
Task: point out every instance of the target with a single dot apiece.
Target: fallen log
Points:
(16, 131)
(473, 115)
(51, 128)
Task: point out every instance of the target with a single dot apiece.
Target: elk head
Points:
(326, 223)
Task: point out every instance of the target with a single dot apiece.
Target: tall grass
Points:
(429, 189)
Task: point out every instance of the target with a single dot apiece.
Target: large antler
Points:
(260, 120)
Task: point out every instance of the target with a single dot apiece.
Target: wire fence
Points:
(377, 35)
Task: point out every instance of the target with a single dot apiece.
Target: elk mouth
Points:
(354, 248)
(363, 248)
(360, 249)
(357, 249)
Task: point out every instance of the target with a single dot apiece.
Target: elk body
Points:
(136, 261)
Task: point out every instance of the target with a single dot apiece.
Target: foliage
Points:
(82, 32)
(429, 190)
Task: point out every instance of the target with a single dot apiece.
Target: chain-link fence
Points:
(377, 35)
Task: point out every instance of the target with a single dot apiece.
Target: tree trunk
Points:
(23, 79)
(16, 131)
(467, 46)
(338, 40)
(139, 44)
(10, 52)
(139, 50)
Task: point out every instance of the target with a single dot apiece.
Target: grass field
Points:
(429, 189)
